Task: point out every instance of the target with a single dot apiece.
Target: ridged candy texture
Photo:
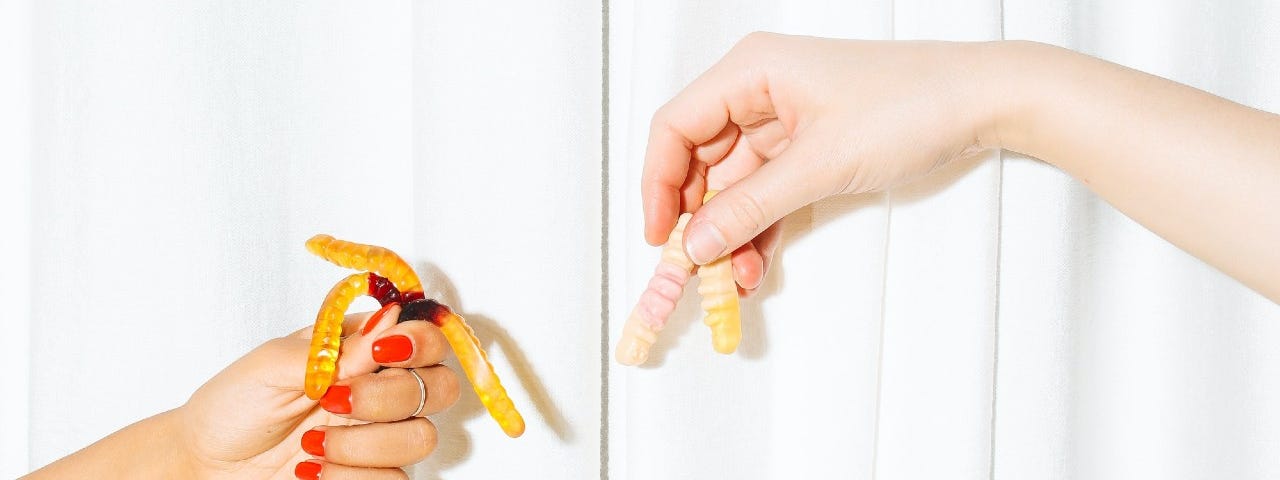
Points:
(326, 336)
(720, 301)
(368, 258)
(475, 363)
(658, 300)
(322, 363)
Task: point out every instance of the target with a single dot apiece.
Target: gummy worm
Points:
(658, 300)
(716, 285)
(392, 280)
(720, 301)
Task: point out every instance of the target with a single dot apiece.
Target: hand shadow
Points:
(454, 446)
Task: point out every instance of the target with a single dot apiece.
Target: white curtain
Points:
(163, 163)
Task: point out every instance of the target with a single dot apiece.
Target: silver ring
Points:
(422, 392)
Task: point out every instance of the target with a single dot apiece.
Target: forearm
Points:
(1196, 169)
(147, 449)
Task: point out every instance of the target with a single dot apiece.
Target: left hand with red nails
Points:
(252, 420)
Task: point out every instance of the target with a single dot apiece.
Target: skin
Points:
(247, 421)
(808, 118)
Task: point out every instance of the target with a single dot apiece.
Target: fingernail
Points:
(307, 470)
(337, 399)
(704, 243)
(396, 348)
(313, 442)
(377, 317)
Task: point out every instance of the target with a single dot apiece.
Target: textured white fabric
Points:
(163, 163)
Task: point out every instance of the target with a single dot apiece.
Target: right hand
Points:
(781, 122)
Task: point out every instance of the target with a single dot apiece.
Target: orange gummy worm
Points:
(475, 363)
(385, 263)
(370, 258)
(326, 337)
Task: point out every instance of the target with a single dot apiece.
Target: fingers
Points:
(378, 445)
(698, 122)
(751, 261)
(316, 469)
(748, 268)
(745, 209)
(393, 394)
(353, 360)
(414, 343)
(282, 361)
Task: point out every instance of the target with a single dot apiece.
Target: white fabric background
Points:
(163, 164)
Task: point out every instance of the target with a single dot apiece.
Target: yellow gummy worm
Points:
(720, 301)
(475, 363)
(326, 337)
(471, 356)
(370, 258)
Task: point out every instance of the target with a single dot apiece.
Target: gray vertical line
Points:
(995, 327)
(884, 294)
(604, 240)
(884, 289)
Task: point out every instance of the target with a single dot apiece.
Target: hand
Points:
(781, 122)
(248, 421)
(252, 420)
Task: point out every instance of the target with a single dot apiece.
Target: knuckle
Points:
(450, 388)
(373, 392)
(747, 212)
(422, 438)
(755, 39)
(660, 118)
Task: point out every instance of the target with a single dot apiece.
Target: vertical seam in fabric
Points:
(995, 327)
(604, 240)
(884, 289)
(884, 294)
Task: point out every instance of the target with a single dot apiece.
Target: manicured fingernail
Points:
(307, 470)
(396, 348)
(337, 399)
(313, 442)
(704, 243)
(377, 317)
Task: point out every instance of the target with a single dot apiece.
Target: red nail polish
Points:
(377, 317)
(307, 470)
(313, 442)
(337, 399)
(396, 348)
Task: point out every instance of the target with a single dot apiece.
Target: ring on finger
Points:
(422, 392)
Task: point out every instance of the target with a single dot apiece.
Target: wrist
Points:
(182, 463)
(1019, 87)
(156, 447)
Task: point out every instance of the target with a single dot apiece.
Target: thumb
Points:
(743, 211)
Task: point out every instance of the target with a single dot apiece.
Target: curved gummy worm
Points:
(472, 358)
(720, 301)
(326, 337)
(391, 281)
(658, 300)
(369, 258)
